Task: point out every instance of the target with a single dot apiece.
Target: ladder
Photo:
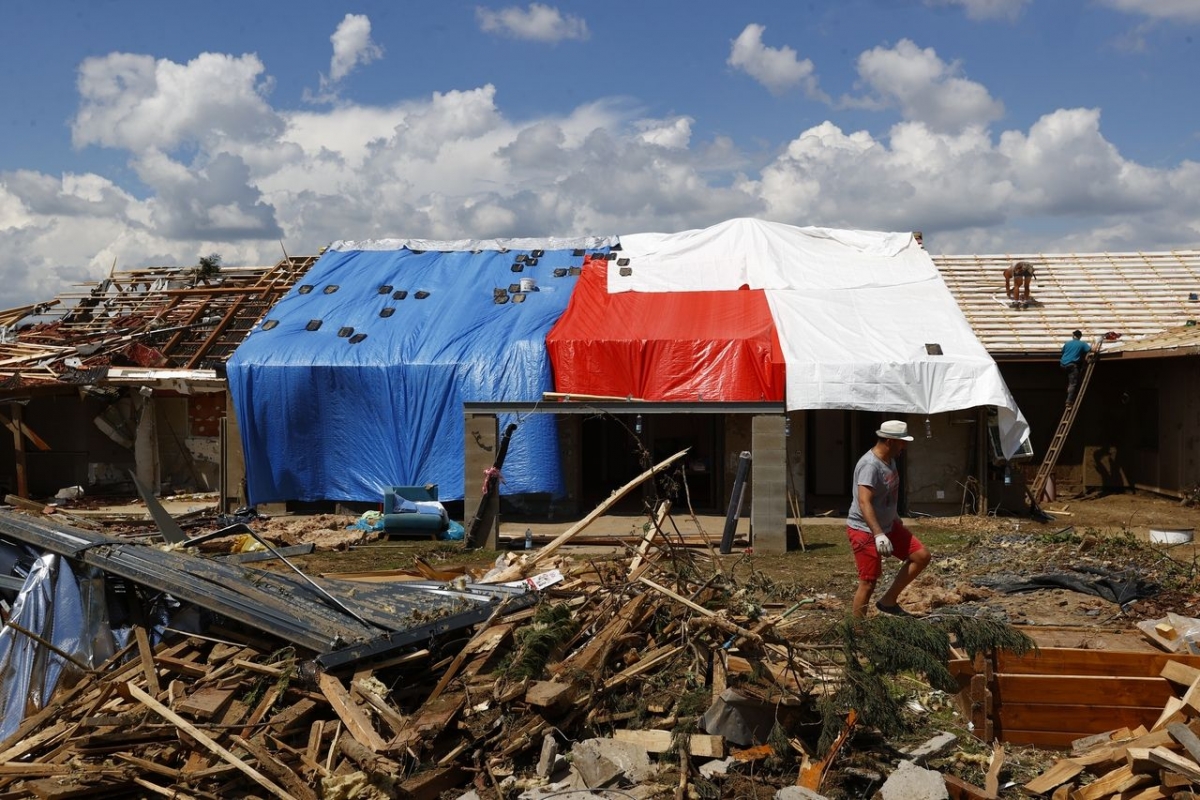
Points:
(1038, 487)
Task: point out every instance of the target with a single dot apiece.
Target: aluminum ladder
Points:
(1038, 487)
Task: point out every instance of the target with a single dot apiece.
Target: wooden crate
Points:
(1054, 696)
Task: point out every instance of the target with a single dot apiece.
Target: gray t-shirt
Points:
(885, 490)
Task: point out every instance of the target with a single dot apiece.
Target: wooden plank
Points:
(1074, 661)
(1176, 763)
(204, 741)
(205, 703)
(24, 428)
(1080, 719)
(958, 789)
(1172, 711)
(1083, 690)
(355, 719)
(430, 784)
(1110, 783)
(1178, 672)
(277, 769)
(656, 741)
(1062, 771)
(1186, 738)
(146, 655)
(992, 780)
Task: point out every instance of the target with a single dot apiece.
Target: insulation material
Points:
(355, 381)
(681, 346)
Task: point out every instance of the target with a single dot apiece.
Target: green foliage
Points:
(209, 266)
(694, 702)
(879, 648)
(552, 625)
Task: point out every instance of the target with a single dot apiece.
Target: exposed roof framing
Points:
(167, 317)
(1133, 294)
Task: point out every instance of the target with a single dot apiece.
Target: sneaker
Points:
(895, 610)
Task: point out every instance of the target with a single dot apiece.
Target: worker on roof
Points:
(1016, 283)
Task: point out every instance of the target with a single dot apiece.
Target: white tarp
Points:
(855, 311)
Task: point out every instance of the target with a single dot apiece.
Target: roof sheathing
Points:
(1133, 294)
(155, 317)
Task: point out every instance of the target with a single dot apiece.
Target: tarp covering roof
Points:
(858, 313)
(356, 380)
(666, 347)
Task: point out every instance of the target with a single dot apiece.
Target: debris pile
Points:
(657, 670)
(1159, 761)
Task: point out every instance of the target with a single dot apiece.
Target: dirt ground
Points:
(1086, 538)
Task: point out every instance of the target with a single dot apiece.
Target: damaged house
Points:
(398, 363)
(1138, 423)
(128, 375)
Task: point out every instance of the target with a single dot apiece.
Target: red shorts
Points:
(866, 557)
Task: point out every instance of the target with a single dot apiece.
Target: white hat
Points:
(894, 429)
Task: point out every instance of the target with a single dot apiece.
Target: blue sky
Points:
(151, 133)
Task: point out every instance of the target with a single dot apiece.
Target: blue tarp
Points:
(367, 401)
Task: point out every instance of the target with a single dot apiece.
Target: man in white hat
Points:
(874, 527)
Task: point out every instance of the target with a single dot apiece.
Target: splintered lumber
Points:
(204, 741)
(1063, 770)
(720, 621)
(1119, 780)
(992, 780)
(1180, 673)
(1184, 735)
(596, 652)
(517, 570)
(357, 723)
(660, 516)
(656, 741)
(1176, 763)
(268, 763)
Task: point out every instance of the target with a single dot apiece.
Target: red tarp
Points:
(667, 347)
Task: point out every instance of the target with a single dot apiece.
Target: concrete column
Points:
(768, 477)
(481, 441)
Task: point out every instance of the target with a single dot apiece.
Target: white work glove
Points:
(883, 544)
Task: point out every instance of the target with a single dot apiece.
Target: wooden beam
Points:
(23, 430)
(19, 452)
(204, 741)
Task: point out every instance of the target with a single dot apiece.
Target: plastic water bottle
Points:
(529, 538)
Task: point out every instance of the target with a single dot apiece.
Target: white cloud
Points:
(221, 170)
(923, 87)
(134, 102)
(540, 23)
(985, 9)
(673, 133)
(352, 47)
(1174, 10)
(776, 68)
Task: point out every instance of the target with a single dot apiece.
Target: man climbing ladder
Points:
(1081, 352)
(1074, 353)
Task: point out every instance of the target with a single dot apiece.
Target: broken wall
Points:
(78, 453)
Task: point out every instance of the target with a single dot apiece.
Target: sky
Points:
(137, 133)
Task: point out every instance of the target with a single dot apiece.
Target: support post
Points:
(19, 452)
(481, 507)
(768, 480)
